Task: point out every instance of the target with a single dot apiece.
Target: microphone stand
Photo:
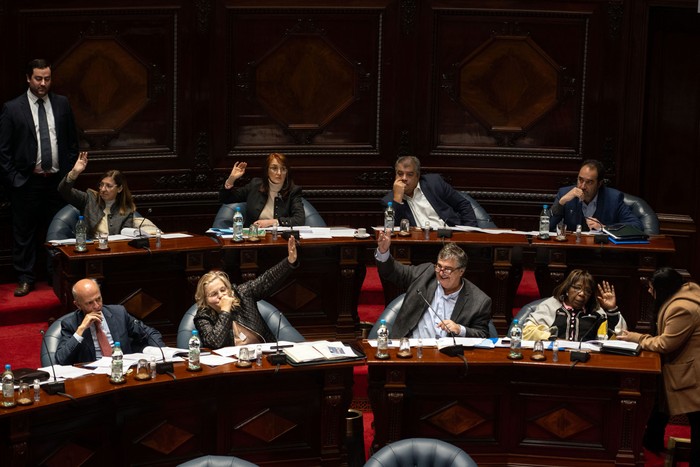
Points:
(453, 350)
(278, 358)
(163, 367)
(55, 386)
(141, 241)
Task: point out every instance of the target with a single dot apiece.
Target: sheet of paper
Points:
(66, 371)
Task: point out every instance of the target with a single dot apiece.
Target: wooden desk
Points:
(292, 417)
(627, 267)
(504, 412)
(320, 298)
(167, 276)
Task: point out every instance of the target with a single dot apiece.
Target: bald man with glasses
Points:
(459, 307)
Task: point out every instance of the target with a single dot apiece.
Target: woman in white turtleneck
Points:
(271, 200)
(108, 210)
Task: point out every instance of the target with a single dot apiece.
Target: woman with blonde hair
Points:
(271, 200)
(227, 314)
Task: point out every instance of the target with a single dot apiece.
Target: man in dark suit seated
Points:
(90, 331)
(590, 203)
(459, 307)
(426, 198)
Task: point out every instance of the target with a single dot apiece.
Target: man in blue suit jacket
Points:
(80, 341)
(33, 183)
(590, 203)
(420, 198)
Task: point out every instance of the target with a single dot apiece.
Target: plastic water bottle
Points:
(555, 351)
(382, 340)
(389, 219)
(159, 235)
(516, 341)
(194, 353)
(8, 387)
(153, 367)
(419, 348)
(238, 225)
(117, 375)
(544, 223)
(258, 355)
(37, 391)
(80, 235)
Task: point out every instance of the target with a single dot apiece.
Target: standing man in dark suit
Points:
(38, 146)
(459, 307)
(426, 198)
(90, 332)
(590, 203)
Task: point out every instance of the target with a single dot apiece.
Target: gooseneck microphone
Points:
(55, 386)
(141, 240)
(278, 358)
(162, 368)
(452, 350)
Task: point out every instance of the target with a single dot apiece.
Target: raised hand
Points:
(238, 170)
(80, 164)
(606, 296)
(292, 249)
(383, 242)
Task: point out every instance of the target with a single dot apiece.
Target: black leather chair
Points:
(392, 309)
(51, 338)
(270, 314)
(483, 219)
(525, 311)
(412, 452)
(62, 225)
(217, 461)
(224, 217)
(641, 209)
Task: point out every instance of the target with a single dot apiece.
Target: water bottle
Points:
(193, 355)
(258, 355)
(238, 225)
(516, 341)
(153, 367)
(8, 388)
(117, 375)
(382, 340)
(544, 223)
(80, 235)
(555, 351)
(159, 235)
(37, 391)
(389, 219)
(419, 348)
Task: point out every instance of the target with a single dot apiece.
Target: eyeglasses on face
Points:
(108, 186)
(578, 289)
(277, 168)
(446, 269)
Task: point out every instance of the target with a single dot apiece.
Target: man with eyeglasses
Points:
(457, 306)
(38, 145)
(590, 203)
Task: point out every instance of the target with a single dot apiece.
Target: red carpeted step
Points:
(40, 305)
(20, 345)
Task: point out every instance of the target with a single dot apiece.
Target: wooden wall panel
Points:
(502, 97)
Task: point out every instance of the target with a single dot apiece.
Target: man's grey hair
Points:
(452, 251)
(412, 159)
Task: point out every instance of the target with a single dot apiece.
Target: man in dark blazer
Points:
(90, 332)
(457, 306)
(420, 198)
(38, 146)
(590, 203)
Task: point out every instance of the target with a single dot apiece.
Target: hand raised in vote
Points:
(292, 249)
(238, 170)
(80, 164)
(383, 242)
(606, 295)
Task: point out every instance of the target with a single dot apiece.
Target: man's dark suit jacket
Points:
(448, 203)
(611, 209)
(18, 142)
(124, 328)
(472, 310)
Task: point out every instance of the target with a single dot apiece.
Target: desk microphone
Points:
(141, 240)
(598, 321)
(55, 386)
(277, 358)
(163, 367)
(452, 350)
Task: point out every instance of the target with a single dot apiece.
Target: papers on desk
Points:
(467, 342)
(614, 347)
(267, 347)
(318, 351)
(118, 237)
(64, 372)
